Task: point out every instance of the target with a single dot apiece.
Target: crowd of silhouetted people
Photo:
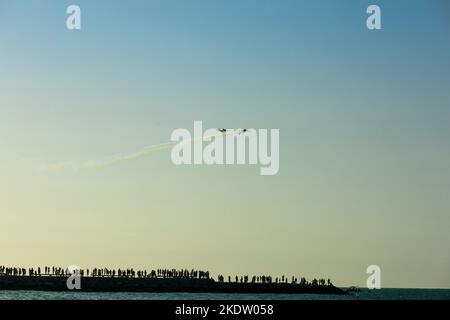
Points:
(270, 279)
(105, 272)
(158, 273)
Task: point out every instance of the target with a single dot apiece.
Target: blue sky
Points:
(363, 118)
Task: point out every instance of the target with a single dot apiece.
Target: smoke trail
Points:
(71, 165)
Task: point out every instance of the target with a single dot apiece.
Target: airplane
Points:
(223, 130)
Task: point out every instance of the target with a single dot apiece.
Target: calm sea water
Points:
(389, 294)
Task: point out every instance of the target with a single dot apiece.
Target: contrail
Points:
(71, 165)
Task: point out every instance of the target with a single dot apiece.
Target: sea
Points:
(364, 294)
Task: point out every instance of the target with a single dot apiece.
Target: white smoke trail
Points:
(109, 161)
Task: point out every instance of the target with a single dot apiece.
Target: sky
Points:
(364, 128)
